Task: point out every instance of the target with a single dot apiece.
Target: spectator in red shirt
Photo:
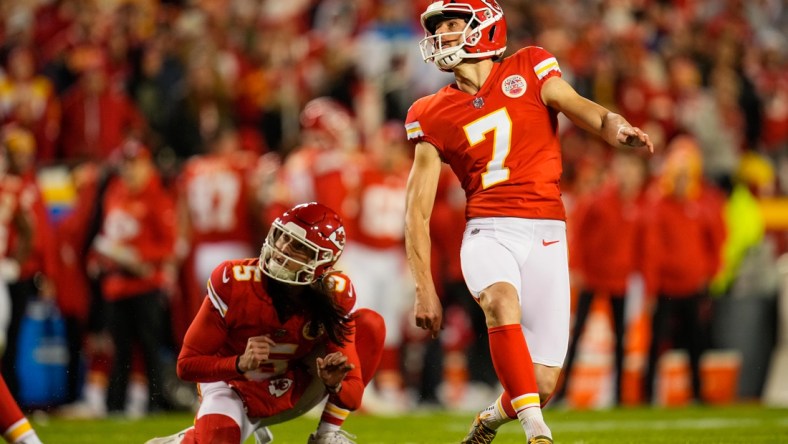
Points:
(96, 117)
(684, 237)
(134, 248)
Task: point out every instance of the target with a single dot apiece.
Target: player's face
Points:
(135, 172)
(294, 249)
(456, 25)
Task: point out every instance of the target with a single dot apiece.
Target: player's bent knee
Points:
(370, 336)
(500, 304)
(217, 429)
(370, 322)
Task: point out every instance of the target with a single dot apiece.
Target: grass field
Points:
(733, 424)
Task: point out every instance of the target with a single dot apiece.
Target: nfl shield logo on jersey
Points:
(279, 386)
(514, 86)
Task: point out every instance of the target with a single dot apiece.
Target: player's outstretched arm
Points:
(593, 117)
(421, 189)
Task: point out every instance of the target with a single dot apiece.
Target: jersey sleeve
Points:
(198, 360)
(543, 63)
(220, 287)
(413, 128)
(419, 127)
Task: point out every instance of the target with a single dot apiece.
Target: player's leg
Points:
(370, 337)
(15, 426)
(492, 273)
(546, 309)
(543, 277)
(221, 419)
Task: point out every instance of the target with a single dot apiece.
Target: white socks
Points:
(533, 423)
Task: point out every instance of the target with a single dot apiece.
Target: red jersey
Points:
(215, 191)
(143, 223)
(502, 143)
(320, 175)
(240, 306)
(380, 221)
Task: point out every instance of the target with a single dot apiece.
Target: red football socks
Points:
(513, 365)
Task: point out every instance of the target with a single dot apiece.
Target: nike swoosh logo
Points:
(225, 279)
(546, 243)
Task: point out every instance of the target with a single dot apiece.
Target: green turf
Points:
(736, 424)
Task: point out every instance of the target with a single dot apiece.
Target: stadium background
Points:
(716, 70)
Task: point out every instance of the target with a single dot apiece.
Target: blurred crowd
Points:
(146, 141)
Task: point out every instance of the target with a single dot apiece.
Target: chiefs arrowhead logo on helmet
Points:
(338, 237)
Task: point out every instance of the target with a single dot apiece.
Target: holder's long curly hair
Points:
(318, 301)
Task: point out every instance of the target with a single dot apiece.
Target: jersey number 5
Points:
(501, 125)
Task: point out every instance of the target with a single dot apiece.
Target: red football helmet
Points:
(330, 120)
(310, 235)
(484, 35)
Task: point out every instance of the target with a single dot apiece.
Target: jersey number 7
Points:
(501, 125)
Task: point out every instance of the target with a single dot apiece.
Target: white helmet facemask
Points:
(445, 56)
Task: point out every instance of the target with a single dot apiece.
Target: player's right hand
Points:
(257, 350)
(428, 312)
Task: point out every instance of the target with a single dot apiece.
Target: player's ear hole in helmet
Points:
(302, 244)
